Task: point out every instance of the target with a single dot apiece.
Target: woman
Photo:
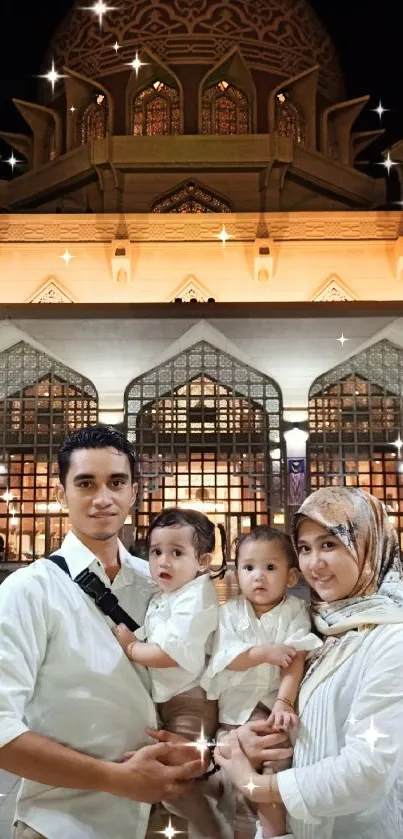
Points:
(347, 775)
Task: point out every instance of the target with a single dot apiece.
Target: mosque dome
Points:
(282, 38)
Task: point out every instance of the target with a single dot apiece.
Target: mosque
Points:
(191, 252)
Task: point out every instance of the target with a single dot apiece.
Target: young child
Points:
(180, 620)
(258, 655)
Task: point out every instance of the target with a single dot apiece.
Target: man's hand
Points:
(182, 750)
(148, 775)
(260, 742)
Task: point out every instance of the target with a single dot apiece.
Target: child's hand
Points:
(124, 636)
(280, 654)
(281, 718)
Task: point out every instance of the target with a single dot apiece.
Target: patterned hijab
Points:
(360, 522)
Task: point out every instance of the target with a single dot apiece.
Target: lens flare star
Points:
(371, 735)
(223, 235)
(380, 110)
(100, 9)
(388, 163)
(169, 832)
(250, 786)
(52, 76)
(202, 744)
(342, 339)
(136, 64)
(12, 161)
(67, 257)
(116, 47)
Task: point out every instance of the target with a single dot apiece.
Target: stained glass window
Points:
(225, 110)
(40, 401)
(290, 120)
(94, 120)
(355, 419)
(208, 432)
(156, 110)
(190, 198)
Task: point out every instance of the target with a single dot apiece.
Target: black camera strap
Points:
(102, 596)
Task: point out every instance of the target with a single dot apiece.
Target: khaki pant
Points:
(22, 831)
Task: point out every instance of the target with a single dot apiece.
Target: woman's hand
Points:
(241, 772)
(124, 636)
(260, 742)
(281, 718)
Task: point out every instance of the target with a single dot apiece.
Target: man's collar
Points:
(79, 557)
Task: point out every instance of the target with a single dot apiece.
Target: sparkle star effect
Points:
(136, 63)
(116, 47)
(398, 443)
(7, 496)
(72, 109)
(52, 76)
(388, 163)
(342, 339)
(371, 735)
(202, 744)
(169, 832)
(12, 161)
(67, 257)
(250, 786)
(380, 110)
(223, 235)
(100, 9)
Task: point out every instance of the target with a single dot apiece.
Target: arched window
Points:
(156, 110)
(40, 401)
(355, 421)
(290, 120)
(94, 120)
(225, 110)
(207, 430)
(190, 198)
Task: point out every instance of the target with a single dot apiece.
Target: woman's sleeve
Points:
(369, 763)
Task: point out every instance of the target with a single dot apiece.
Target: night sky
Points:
(367, 35)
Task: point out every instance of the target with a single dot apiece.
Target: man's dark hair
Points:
(95, 437)
(267, 534)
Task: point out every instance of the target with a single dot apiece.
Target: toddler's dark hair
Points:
(203, 537)
(268, 534)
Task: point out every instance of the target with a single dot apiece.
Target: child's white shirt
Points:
(239, 629)
(181, 623)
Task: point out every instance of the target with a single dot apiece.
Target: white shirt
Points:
(181, 622)
(63, 675)
(340, 786)
(239, 629)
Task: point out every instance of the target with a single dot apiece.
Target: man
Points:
(71, 703)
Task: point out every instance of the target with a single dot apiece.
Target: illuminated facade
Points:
(222, 174)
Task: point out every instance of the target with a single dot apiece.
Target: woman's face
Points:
(325, 562)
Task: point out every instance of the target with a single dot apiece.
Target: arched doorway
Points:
(40, 401)
(207, 430)
(356, 426)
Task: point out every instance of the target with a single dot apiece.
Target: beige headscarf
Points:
(360, 522)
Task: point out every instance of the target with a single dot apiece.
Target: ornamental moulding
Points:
(346, 227)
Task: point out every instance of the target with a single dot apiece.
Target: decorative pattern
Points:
(355, 421)
(192, 290)
(290, 119)
(156, 110)
(51, 293)
(349, 226)
(40, 401)
(332, 293)
(190, 198)
(203, 425)
(283, 37)
(225, 110)
(93, 122)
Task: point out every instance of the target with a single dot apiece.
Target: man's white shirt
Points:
(63, 675)
(181, 623)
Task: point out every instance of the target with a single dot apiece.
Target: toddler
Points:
(258, 655)
(180, 620)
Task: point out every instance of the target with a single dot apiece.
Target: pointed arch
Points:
(93, 120)
(154, 101)
(290, 120)
(191, 197)
(90, 109)
(41, 400)
(227, 98)
(208, 432)
(355, 419)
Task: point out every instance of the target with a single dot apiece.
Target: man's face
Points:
(99, 492)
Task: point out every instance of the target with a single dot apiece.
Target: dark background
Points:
(368, 36)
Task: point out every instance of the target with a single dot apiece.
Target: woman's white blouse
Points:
(181, 623)
(238, 692)
(347, 776)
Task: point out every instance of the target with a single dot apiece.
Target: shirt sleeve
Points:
(185, 634)
(299, 632)
(226, 645)
(363, 773)
(23, 643)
